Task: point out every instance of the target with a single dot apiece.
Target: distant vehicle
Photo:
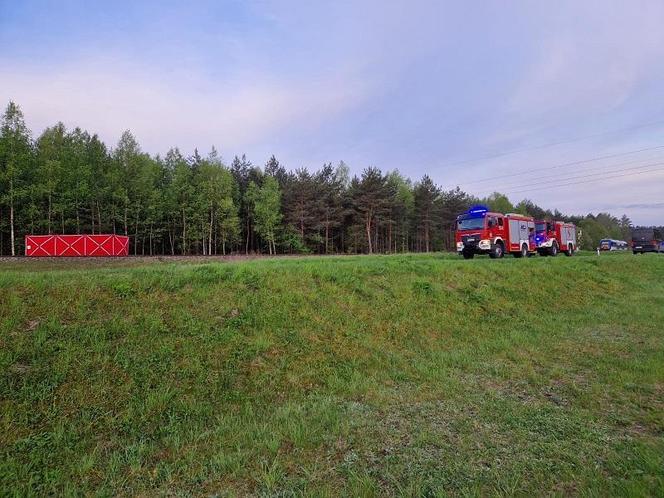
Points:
(613, 245)
(479, 231)
(554, 236)
(645, 240)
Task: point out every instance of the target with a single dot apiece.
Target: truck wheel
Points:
(569, 251)
(468, 255)
(553, 251)
(497, 251)
(522, 253)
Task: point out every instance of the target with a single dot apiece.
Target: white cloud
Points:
(175, 107)
(588, 60)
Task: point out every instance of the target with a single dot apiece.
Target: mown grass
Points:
(403, 375)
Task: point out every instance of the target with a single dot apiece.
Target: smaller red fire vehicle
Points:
(551, 237)
(479, 231)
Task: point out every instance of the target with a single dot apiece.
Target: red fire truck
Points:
(479, 231)
(551, 237)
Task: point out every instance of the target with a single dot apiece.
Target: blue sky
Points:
(442, 88)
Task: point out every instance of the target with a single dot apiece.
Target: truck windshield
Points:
(540, 227)
(470, 223)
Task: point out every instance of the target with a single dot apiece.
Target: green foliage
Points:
(267, 211)
(291, 241)
(602, 226)
(15, 169)
(123, 290)
(371, 198)
(67, 181)
(499, 203)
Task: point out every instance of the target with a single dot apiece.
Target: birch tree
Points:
(15, 159)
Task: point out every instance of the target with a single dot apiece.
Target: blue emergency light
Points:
(477, 209)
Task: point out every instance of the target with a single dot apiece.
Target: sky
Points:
(558, 102)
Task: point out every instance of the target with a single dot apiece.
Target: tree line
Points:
(69, 181)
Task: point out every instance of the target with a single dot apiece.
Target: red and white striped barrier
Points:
(76, 245)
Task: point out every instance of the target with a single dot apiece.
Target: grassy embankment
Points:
(401, 375)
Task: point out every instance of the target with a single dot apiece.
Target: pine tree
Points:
(452, 203)
(275, 169)
(300, 204)
(371, 201)
(329, 202)
(425, 197)
(626, 227)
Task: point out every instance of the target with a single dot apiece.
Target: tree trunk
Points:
(389, 237)
(50, 211)
(136, 237)
(210, 233)
(246, 246)
(92, 217)
(367, 224)
(99, 219)
(2, 236)
(11, 216)
(327, 235)
(184, 233)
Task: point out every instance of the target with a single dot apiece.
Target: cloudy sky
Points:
(560, 102)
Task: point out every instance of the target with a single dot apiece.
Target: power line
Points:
(559, 177)
(556, 179)
(551, 144)
(587, 181)
(564, 165)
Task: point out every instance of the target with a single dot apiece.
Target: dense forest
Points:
(69, 181)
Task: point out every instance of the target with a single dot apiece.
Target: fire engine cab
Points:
(479, 231)
(552, 237)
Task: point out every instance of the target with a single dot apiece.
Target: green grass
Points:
(403, 375)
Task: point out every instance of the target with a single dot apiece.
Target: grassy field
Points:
(413, 375)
